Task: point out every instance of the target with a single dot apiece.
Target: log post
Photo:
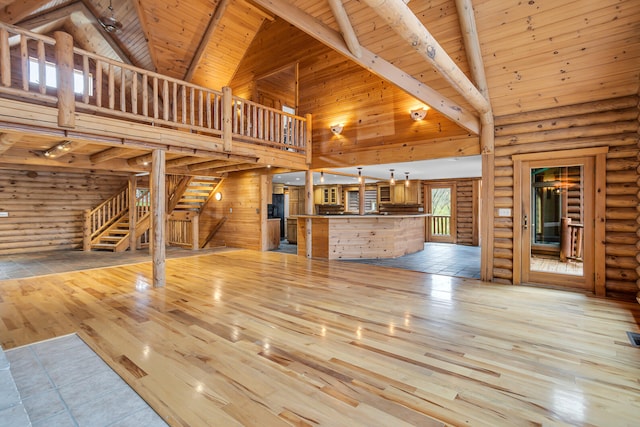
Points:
(195, 232)
(487, 217)
(308, 139)
(308, 208)
(5, 57)
(227, 122)
(86, 230)
(158, 216)
(66, 95)
(133, 213)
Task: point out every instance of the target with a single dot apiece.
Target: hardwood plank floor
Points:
(269, 339)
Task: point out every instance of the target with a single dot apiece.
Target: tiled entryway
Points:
(62, 382)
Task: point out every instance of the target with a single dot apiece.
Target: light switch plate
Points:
(4, 214)
(504, 212)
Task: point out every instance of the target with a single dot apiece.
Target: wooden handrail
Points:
(134, 94)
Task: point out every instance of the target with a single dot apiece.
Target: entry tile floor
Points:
(38, 264)
(436, 258)
(62, 382)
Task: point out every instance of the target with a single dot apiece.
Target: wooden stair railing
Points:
(97, 220)
(213, 231)
(116, 237)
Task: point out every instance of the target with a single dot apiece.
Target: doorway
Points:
(554, 219)
(440, 202)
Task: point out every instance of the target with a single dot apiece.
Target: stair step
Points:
(103, 246)
(110, 238)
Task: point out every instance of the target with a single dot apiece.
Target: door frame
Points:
(594, 273)
(453, 228)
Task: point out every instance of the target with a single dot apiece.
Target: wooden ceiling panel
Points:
(568, 53)
(229, 42)
(175, 30)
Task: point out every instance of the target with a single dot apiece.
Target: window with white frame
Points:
(51, 78)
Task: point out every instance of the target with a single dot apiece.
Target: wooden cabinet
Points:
(273, 233)
(406, 194)
(327, 195)
(296, 200)
(292, 230)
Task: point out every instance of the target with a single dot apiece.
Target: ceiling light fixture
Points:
(110, 23)
(337, 129)
(406, 179)
(392, 180)
(58, 149)
(418, 114)
(360, 175)
(321, 176)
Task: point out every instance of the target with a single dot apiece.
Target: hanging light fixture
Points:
(406, 179)
(392, 179)
(110, 23)
(360, 175)
(321, 176)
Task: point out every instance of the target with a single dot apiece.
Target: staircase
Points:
(197, 193)
(110, 229)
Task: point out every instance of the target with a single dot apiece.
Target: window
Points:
(353, 200)
(50, 76)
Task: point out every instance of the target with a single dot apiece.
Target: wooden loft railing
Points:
(133, 94)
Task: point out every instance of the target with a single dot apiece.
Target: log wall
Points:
(612, 123)
(467, 211)
(46, 208)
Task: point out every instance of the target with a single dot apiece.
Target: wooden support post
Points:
(66, 95)
(227, 112)
(361, 193)
(308, 139)
(158, 216)
(265, 199)
(487, 217)
(133, 213)
(195, 232)
(308, 209)
(5, 57)
(86, 230)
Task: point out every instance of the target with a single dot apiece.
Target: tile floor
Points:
(29, 265)
(62, 382)
(436, 258)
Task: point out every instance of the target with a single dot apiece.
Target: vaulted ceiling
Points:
(536, 54)
(533, 51)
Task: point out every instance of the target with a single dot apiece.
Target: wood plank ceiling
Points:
(536, 54)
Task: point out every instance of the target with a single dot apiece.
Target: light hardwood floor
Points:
(269, 339)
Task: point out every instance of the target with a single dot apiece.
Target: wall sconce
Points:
(56, 150)
(321, 177)
(418, 114)
(337, 129)
(218, 196)
(406, 179)
(360, 175)
(392, 180)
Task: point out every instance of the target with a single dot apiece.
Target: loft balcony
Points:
(64, 106)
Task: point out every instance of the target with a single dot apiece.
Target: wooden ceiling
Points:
(537, 54)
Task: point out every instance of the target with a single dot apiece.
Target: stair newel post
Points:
(195, 232)
(86, 230)
(227, 117)
(66, 95)
(308, 140)
(133, 213)
(158, 218)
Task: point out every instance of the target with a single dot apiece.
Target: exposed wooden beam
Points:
(18, 10)
(142, 160)
(346, 29)
(236, 168)
(208, 165)
(7, 141)
(476, 63)
(108, 154)
(184, 161)
(202, 46)
(374, 63)
(403, 21)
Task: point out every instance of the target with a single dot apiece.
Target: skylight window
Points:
(50, 77)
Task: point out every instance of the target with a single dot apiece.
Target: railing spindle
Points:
(42, 67)
(24, 62)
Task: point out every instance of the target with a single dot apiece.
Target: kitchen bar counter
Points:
(361, 236)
